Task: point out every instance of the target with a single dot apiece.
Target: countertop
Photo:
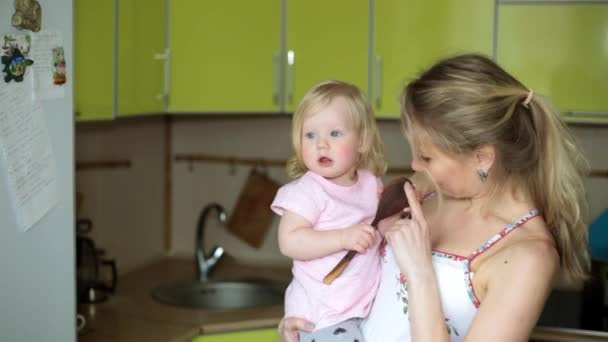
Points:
(131, 314)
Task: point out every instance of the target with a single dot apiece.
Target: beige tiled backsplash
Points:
(126, 205)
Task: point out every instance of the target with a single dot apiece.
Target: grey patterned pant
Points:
(347, 331)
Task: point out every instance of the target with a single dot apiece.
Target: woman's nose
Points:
(416, 166)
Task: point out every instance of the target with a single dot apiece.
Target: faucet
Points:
(205, 263)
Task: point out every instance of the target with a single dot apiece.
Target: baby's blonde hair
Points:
(364, 123)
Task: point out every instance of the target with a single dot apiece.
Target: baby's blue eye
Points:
(309, 135)
(336, 133)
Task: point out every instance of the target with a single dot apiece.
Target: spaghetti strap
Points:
(506, 230)
(468, 274)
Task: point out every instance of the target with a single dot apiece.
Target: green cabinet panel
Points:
(411, 35)
(94, 22)
(264, 335)
(116, 73)
(329, 40)
(560, 51)
(225, 56)
(140, 76)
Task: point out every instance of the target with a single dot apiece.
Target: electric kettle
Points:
(90, 287)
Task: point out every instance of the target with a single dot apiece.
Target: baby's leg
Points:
(347, 331)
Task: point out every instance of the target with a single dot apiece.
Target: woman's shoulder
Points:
(531, 249)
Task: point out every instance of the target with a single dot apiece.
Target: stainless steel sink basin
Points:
(220, 295)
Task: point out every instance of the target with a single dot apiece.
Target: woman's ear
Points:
(485, 157)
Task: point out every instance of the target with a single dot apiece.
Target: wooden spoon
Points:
(392, 201)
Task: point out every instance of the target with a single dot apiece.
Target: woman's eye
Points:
(425, 159)
(336, 133)
(309, 135)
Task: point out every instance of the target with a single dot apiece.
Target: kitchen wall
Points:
(126, 205)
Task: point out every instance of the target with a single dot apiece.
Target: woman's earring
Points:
(483, 175)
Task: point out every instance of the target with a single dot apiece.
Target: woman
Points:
(477, 261)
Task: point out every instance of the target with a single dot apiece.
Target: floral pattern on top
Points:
(401, 281)
(449, 256)
(402, 292)
(402, 297)
(382, 249)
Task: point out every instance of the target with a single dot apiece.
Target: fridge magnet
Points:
(15, 65)
(21, 42)
(58, 66)
(28, 15)
(15, 50)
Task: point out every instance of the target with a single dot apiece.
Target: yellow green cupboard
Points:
(243, 56)
(94, 62)
(228, 61)
(325, 40)
(261, 335)
(225, 56)
(559, 49)
(411, 35)
(119, 49)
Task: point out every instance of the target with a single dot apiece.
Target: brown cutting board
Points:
(251, 217)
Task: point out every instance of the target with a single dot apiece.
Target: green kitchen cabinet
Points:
(119, 58)
(325, 40)
(559, 50)
(142, 58)
(409, 36)
(262, 335)
(226, 60)
(94, 29)
(225, 56)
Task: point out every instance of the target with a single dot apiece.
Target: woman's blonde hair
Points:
(364, 123)
(468, 101)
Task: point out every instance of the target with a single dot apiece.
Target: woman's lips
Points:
(324, 161)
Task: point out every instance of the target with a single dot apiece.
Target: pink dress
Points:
(330, 206)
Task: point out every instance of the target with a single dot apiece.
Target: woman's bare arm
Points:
(517, 288)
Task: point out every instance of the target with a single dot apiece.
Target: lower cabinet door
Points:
(261, 335)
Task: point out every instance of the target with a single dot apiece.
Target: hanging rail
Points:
(102, 164)
(197, 158)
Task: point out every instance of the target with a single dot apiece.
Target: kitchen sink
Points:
(220, 295)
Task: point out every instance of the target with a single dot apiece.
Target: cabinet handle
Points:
(164, 56)
(378, 82)
(291, 61)
(276, 63)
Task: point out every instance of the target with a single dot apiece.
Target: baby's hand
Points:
(359, 237)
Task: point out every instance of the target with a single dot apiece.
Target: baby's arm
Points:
(298, 240)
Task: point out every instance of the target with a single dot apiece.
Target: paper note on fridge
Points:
(27, 163)
(49, 64)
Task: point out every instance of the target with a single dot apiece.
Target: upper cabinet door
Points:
(411, 35)
(325, 40)
(559, 50)
(119, 65)
(141, 63)
(225, 56)
(94, 46)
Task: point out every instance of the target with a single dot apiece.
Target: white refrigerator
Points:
(37, 265)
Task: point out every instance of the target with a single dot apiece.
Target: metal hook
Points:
(232, 170)
(263, 166)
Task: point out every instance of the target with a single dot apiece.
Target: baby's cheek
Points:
(347, 152)
(307, 154)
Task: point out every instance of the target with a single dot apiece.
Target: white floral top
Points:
(388, 320)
